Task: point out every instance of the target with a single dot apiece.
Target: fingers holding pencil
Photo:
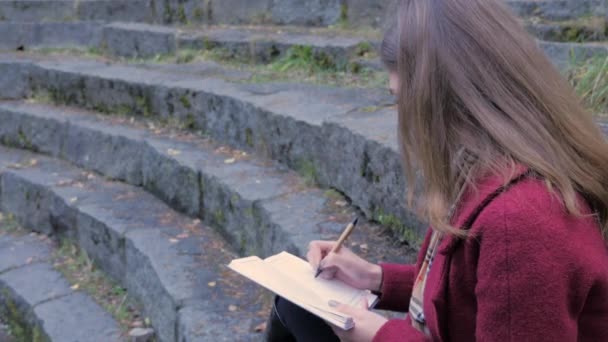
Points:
(336, 247)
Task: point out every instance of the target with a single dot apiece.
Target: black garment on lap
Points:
(303, 325)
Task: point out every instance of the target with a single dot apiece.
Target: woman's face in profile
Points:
(393, 82)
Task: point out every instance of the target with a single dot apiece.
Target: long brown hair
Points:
(474, 83)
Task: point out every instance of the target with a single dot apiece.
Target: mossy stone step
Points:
(166, 261)
(337, 137)
(245, 197)
(556, 10)
(39, 304)
(25, 35)
(258, 44)
(574, 31)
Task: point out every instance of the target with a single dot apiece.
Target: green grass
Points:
(8, 224)
(83, 275)
(590, 80)
(300, 64)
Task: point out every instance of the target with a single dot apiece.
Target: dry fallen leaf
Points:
(341, 203)
(211, 284)
(75, 287)
(173, 152)
(232, 308)
(229, 161)
(260, 327)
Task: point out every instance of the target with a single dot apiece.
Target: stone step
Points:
(173, 265)
(558, 9)
(39, 303)
(231, 190)
(24, 35)
(73, 10)
(284, 12)
(257, 44)
(337, 137)
(591, 29)
(564, 54)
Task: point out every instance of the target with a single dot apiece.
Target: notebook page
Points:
(302, 273)
(262, 273)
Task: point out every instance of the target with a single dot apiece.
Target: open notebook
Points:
(293, 279)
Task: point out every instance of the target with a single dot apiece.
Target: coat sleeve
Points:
(397, 284)
(529, 274)
(399, 330)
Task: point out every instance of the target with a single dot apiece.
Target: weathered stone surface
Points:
(563, 54)
(135, 40)
(240, 12)
(265, 44)
(77, 318)
(312, 12)
(37, 298)
(68, 10)
(157, 253)
(45, 34)
(202, 324)
(36, 283)
(14, 83)
(557, 9)
(19, 252)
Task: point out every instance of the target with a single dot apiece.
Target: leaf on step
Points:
(212, 283)
(341, 203)
(173, 152)
(182, 236)
(230, 161)
(15, 166)
(260, 327)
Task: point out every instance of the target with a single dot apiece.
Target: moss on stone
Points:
(198, 14)
(219, 217)
(24, 141)
(249, 137)
(181, 14)
(144, 104)
(343, 20)
(363, 48)
(185, 102)
(404, 233)
(308, 171)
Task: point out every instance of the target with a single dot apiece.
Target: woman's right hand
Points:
(344, 265)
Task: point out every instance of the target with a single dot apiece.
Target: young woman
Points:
(515, 189)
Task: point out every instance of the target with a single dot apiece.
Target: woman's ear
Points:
(393, 82)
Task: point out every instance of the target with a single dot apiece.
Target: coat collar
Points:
(473, 201)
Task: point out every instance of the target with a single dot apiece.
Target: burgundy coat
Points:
(532, 272)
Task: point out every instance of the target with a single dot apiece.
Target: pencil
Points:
(338, 245)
